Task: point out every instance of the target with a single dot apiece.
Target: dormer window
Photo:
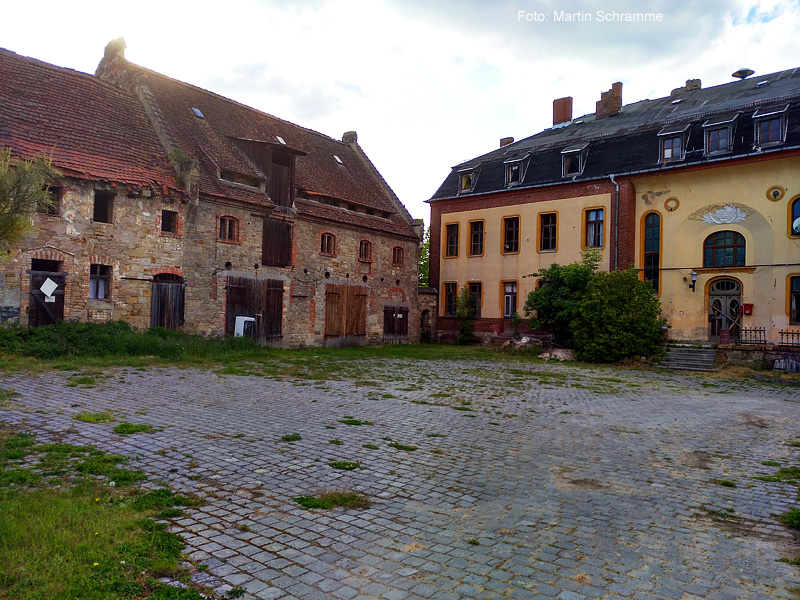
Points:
(672, 142)
(513, 173)
(770, 126)
(573, 160)
(466, 181)
(718, 134)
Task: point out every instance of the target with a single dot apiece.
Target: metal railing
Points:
(755, 336)
(790, 337)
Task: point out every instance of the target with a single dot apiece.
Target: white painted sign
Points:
(48, 287)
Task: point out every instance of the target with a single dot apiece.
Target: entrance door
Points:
(345, 315)
(46, 309)
(724, 305)
(261, 299)
(166, 307)
(395, 324)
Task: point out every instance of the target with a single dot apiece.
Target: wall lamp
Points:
(693, 275)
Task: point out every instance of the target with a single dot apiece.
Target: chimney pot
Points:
(562, 110)
(506, 141)
(610, 102)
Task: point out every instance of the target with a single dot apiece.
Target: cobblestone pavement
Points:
(528, 480)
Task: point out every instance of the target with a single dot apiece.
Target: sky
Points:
(427, 84)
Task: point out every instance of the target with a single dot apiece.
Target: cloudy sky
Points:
(425, 83)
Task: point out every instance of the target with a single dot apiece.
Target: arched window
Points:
(652, 248)
(327, 244)
(397, 256)
(365, 251)
(724, 249)
(229, 229)
(794, 226)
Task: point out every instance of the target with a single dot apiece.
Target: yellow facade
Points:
(682, 199)
(495, 266)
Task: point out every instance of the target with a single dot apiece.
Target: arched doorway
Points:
(166, 307)
(724, 307)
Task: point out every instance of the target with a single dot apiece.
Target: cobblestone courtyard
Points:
(527, 481)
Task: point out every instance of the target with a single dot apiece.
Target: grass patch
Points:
(785, 475)
(335, 442)
(95, 417)
(81, 381)
(370, 446)
(724, 482)
(6, 394)
(345, 465)
(83, 538)
(403, 447)
(292, 437)
(435, 435)
(131, 428)
(791, 518)
(332, 499)
(355, 422)
(770, 463)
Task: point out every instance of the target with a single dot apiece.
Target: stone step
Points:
(689, 359)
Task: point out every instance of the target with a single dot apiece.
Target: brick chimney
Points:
(610, 102)
(506, 141)
(562, 110)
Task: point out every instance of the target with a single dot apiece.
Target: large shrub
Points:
(617, 317)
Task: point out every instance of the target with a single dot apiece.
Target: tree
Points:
(617, 317)
(23, 191)
(466, 315)
(425, 260)
(555, 303)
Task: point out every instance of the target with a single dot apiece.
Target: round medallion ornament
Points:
(776, 192)
(672, 204)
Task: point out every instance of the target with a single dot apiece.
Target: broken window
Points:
(327, 244)
(465, 181)
(53, 201)
(548, 229)
(365, 251)
(169, 221)
(475, 297)
(103, 207)
(451, 240)
(228, 229)
(475, 238)
(397, 256)
(100, 282)
(510, 235)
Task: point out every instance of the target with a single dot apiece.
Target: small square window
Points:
(169, 221)
(100, 282)
(571, 164)
(717, 140)
(53, 201)
(103, 207)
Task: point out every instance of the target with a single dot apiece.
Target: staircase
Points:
(689, 359)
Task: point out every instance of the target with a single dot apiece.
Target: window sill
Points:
(231, 242)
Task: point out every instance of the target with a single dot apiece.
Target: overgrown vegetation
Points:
(23, 191)
(603, 316)
(131, 428)
(328, 500)
(466, 317)
(425, 259)
(70, 527)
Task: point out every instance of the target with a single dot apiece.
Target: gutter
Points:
(616, 222)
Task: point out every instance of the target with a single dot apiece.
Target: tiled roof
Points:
(395, 224)
(94, 130)
(210, 140)
(628, 141)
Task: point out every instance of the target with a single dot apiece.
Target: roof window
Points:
(197, 113)
(770, 126)
(338, 160)
(280, 139)
(466, 180)
(718, 134)
(573, 159)
(672, 142)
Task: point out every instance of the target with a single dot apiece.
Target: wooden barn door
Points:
(395, 325)
(261, 299)
(167, 305)
(46, 310)
(345, 315)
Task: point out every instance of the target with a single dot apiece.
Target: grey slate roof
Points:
(628, 141)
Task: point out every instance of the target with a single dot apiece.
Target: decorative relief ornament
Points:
(724, 215)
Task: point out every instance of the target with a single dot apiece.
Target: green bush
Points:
(617, 317)
(466, 316)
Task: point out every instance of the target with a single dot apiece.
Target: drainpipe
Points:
(616, 223)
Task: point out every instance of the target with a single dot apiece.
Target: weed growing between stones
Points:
(334, 498)
(291, 437)
(95, 417)
(131, 428)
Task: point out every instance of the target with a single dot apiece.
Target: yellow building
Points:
(699, 190)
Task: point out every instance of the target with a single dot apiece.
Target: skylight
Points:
(197, 112)
(762, 83)
(338, 160)
(678, 101)
(281, 140)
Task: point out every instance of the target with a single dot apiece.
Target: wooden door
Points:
(261, 299)
(345, 315)
(167, 304)
(46, 310)
(395, 324)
